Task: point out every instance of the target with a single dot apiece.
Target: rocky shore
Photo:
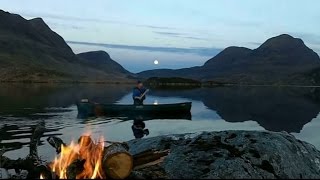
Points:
(228, 154)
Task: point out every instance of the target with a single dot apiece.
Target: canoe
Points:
(143, 112)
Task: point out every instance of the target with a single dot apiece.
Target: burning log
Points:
(85, 141)
(75, 168)
(90, 159)
(84, 159)
(43, 171)
(117, 161)
(56, 143)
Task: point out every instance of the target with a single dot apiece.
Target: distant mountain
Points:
(31, 51)
(102, 60)
(275, 61)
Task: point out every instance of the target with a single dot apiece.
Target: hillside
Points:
(277, 60)
(30, 51)
(101, 60)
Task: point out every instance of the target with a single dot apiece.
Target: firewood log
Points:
(75, 168)
(117, 161)
(35, 139)
(56, 143)
(149, 156)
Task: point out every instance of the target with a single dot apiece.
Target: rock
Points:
(230, 154)
(4, 174)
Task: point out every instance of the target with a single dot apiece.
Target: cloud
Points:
(65, 25)
(155, 27)
(308, 37)
(168, 33)
(180, 35)
(81, 19)
(255, 43)
(203, 51)
(73, 18)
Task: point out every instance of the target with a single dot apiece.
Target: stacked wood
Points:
(117, 162)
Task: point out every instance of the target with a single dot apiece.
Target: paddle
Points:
(144, 94)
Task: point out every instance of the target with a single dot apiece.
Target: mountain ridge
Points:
(31, 52)
(275, 61)
(103, 61)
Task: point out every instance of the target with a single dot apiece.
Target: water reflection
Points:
(155, 102)
(275, 109)
(139, 129)
(129, 116)
(27, 99)
(16, 136)
(22, 106)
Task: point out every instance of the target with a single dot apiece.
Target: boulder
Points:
(229, 154)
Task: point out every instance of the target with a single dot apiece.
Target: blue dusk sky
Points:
(178, 33)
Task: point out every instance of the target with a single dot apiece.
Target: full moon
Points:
(155, 62)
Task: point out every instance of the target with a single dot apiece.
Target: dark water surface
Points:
(22, 106)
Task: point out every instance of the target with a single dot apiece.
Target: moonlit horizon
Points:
(180, 33)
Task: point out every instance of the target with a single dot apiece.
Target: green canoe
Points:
(144, 112)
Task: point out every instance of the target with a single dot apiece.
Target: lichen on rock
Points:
(230, 154)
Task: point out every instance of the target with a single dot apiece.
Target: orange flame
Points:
(41, 177)
(85, 149)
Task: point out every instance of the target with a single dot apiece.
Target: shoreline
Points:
(165, 85)
(67, 82)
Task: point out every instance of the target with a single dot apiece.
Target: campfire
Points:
(82, 159)
(89, 159)
(86, 155)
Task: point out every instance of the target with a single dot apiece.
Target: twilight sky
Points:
(178, 33)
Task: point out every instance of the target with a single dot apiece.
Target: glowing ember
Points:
(85, 149)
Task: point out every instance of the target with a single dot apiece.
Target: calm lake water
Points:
(22, 106)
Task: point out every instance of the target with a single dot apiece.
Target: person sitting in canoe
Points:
(139, 94)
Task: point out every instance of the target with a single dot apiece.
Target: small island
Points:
(172, 82)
